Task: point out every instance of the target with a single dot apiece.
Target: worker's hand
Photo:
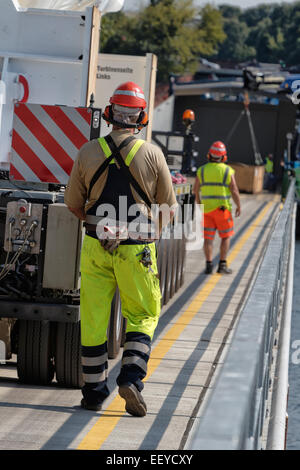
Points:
(237, 211)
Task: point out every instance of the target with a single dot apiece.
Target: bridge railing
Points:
(235, 412)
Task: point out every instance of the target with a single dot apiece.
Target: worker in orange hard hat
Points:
(188, 164)
(216, 182)
(120, 177)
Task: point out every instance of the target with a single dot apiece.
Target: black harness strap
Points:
(125, 170)
(107, 161)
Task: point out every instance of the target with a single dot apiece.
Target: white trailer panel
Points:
(114, 69)
(45, 32)
(51, 50)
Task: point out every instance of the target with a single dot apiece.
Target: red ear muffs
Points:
(107, 115)
(224, 159)
(141, 122)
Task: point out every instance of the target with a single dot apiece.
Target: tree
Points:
(291, 53)
(171, 29)
(117, 33)
(179, 34)
(210, 30)
(274, 32)
(235, 47)
(166, 2)
(268, 32)
(252, 16)
(229, 11)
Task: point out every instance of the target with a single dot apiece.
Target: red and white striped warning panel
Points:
(46, 140)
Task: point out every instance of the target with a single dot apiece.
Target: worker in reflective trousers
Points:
(113, 184)
(216, 183)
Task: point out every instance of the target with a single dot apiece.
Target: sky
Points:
(135, 4)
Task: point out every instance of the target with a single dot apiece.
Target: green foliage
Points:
(117, 34)
(210, 30)
(229, 11)
(268, 32)
(179, 34)
(235, 47)
(172, 29)
(164, 29)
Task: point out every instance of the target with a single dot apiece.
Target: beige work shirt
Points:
(148, 167)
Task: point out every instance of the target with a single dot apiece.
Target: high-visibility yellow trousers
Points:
(101, 273)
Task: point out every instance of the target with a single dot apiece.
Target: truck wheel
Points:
(34, 358)
(115, 327)
(68, 355)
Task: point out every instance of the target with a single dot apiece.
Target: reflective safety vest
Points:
(214, 181)
(269, 165)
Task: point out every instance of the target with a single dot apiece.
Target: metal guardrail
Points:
(234, 414)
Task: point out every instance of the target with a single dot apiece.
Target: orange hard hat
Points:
(129, 94)
(217, 149)
(188, 114)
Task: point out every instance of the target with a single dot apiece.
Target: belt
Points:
(90, 230)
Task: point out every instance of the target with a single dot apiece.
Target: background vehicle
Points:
(290, 84)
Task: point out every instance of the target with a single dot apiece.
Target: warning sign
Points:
(46, 140)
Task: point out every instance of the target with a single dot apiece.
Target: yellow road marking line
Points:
(108, 420)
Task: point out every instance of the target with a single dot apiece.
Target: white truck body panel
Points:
(163, 115)
(10, 91)
(105, 6)
(51, 50)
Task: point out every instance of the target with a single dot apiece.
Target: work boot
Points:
(135, 404)
(223, 268)
(91, 407)
(209, 267)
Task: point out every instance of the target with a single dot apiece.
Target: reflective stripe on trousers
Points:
(135, 358)
(94, 361)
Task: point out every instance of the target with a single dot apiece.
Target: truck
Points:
(48, 63)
